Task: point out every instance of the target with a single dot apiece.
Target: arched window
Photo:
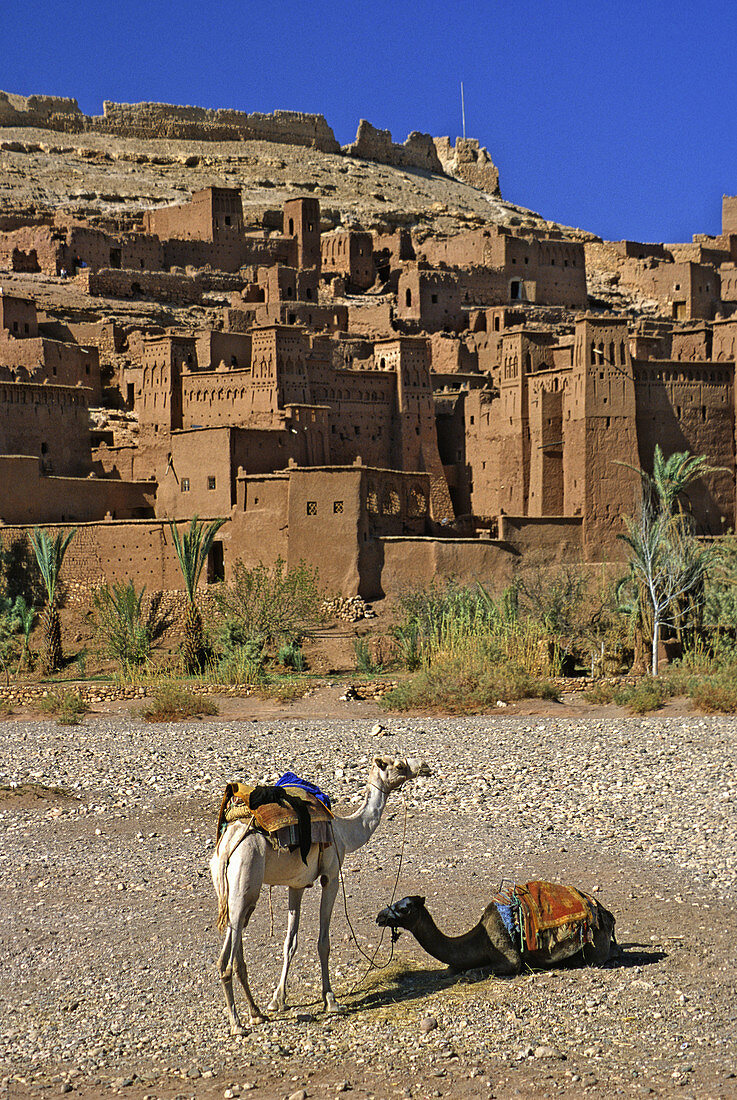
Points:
(408, 297)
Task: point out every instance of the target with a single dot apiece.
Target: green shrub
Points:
(365, 661)
(600, 692)
(716, 694)
(269, 604)
(290, 655)
(127, 628)
(171, 703)
(407, 637)
(647, 695)
(66, 705)
(6, 708)
(239, 664)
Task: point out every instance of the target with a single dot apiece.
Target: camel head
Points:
(402, 914)
(391, 772)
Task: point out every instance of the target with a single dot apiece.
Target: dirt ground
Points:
(107, 939)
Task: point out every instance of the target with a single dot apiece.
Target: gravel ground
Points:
(107, 914)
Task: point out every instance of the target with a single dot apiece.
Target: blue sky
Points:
(619, 117)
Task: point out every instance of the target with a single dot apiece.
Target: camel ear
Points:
(422, 901)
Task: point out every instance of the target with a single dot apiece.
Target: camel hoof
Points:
(332, 1008)
(275, 1005)
(258, 1018)
(237, 1030)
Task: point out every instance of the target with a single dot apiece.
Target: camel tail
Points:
(223, 913)
(227, 844)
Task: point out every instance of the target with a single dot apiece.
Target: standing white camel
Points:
(244, 860)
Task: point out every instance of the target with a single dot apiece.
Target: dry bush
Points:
(172, 703)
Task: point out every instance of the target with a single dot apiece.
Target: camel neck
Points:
(459, 952)
(360, 826)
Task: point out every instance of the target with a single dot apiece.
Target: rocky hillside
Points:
(112, 177)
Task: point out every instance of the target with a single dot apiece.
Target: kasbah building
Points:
(385, 404)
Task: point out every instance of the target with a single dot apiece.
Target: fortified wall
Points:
(166, 120)
(467, 162)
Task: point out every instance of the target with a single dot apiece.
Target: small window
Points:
(338, 507)
(311, 507)
(227, 219)
(185, 485)
(211, 482)
(434, 299)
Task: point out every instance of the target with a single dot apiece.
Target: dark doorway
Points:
(116, 257)
(216, 563)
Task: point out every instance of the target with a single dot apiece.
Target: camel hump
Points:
(494, 925)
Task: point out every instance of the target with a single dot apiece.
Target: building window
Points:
(185, 485)
(211, 482)
(311, 507)
(434, 299)
(338, 507)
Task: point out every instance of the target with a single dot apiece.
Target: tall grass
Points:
(465, 623)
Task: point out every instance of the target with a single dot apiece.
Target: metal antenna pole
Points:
(463, 111)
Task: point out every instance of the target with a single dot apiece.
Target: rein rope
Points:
(371, 959)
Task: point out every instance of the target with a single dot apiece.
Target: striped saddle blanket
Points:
(541, 915)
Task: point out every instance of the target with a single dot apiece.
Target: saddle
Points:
(279, 822)
(544, 914)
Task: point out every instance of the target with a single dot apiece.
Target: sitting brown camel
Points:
(587, 930)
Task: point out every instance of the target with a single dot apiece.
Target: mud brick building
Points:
(386, 405)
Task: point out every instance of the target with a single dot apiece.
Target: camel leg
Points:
(279, 997)
(245, 877)
(327, 901)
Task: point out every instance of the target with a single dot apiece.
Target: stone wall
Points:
(418, 151)
(141, 551)
(470, 162)
(158, 285)
(165, 120)
(467, 160)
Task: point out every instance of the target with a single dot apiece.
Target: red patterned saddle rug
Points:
(542, 916)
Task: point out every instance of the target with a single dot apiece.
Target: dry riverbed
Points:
(107, 913)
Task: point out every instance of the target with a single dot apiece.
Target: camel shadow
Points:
(628, 956)
(408, 985)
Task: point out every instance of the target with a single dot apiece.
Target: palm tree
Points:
(668, 567)
(672, 476)
(192, 549)
(50, 555)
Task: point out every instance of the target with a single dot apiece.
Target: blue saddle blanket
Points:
(289, 779)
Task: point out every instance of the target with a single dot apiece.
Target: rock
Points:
(300, 1094)
(428, 1024)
